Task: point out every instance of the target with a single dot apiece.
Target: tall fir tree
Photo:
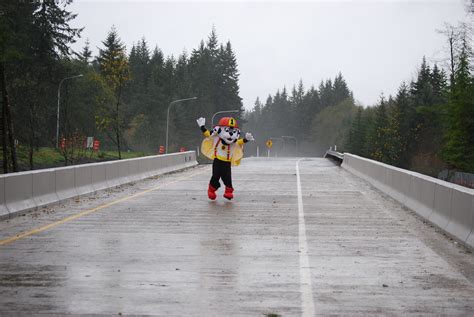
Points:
(86, 55)
(43, 38)
(377, 138)
(401, 127)
(114, 68)
(356, 139)
(459, 148)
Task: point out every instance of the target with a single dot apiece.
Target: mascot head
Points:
(227, 130)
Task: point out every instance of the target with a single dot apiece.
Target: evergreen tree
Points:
(395, 141)
(16, 21)
(422, 90)
(42, 36)
(228, 71)
(356, 139)
(136, 94)
(114, 68)
(212, 44)
(326, 93)
(86, 55)
(297, 115)
(150, 129)
(428, 97)
(401, 128)
(439, 85)
(459, 148)
(340, 90)
(377, 137)
(306, 105)
(53, 34)
(297, 95)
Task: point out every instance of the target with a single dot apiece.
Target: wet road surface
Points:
(330, 245)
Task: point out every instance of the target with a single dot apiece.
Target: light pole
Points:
(280, 139)
(276, 138)
(59, 98)
(294, 138)
(168, 117)
(218, 112)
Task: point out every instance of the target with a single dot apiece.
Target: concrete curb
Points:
(448, 206)
(20, 192)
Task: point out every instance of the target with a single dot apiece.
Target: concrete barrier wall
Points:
(145, 166)
(448, 206)
(99, 177)
(134, 169)
(65, 182)
(83, 179)
(24, 191)
(112, 174)
(3, 206)
(19, 192)
(44, 187)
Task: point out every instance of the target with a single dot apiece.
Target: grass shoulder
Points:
(46, 157)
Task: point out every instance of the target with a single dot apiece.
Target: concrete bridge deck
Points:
(301, 238)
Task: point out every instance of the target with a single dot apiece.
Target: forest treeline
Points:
(316, 117)
(427, 126)
(119, 97)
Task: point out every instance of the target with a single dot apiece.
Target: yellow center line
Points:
(89, 211)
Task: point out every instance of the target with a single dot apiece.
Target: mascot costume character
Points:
(223, 145)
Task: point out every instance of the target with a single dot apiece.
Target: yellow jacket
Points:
(212, 147)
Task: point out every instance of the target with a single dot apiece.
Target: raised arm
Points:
(248, 137)
(202, 124)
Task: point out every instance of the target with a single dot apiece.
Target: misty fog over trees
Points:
(427, 127)
(124, 93)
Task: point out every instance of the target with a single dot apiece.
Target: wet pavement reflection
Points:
(173, 252)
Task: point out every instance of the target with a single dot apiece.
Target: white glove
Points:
(201, 122)
(249, 136)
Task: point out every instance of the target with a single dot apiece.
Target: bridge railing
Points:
(448, 206)
(20, 192)
(333, 154)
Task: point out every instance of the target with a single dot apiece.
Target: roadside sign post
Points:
(269, 145)
(89, 142)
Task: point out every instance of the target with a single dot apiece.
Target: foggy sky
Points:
(375, 44)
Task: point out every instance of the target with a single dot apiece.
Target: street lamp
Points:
(276, 138)
(168, 117)
(59, 98)
(218, 112)
(279, 139)
(294, 138)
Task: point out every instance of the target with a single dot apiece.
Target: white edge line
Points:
(306, 288)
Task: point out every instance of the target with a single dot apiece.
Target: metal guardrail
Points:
(334, 155)
(460, 178)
